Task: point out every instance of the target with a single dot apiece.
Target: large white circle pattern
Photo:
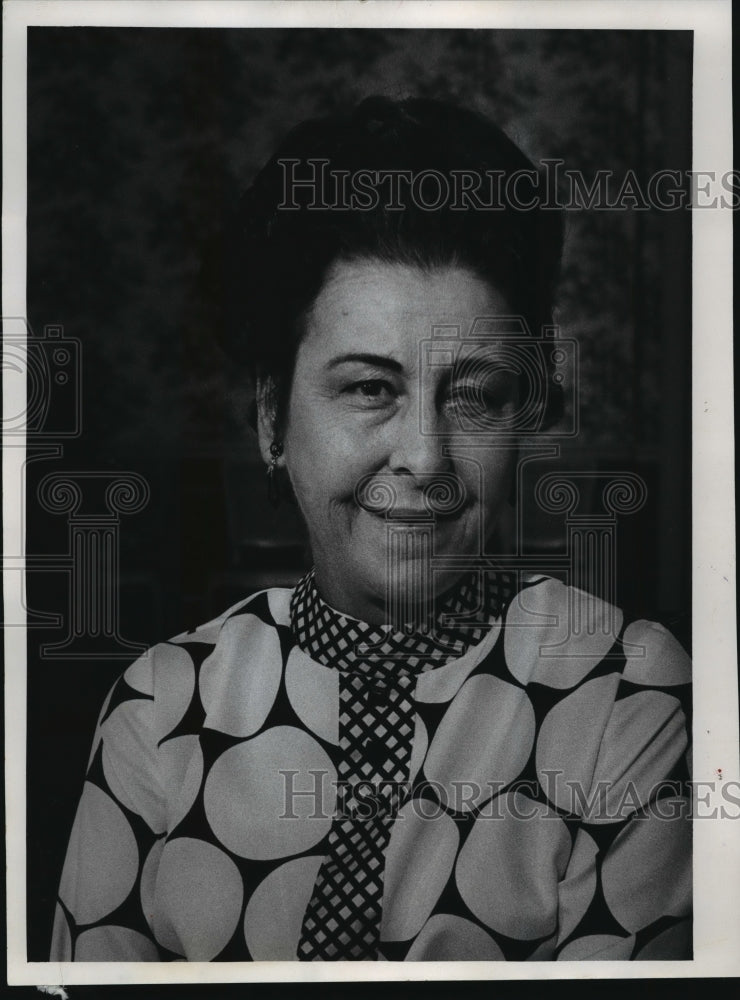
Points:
(99, 732)
(270, 796)
(237, 701)
(467, 752)
(540, 643)
(447, 938)
(107, 861)
(653, 656)
(418, 748)
(196, 878)
(418, 863)
(544, 951)
(278, 601)
(149, 872)
(598, 948)
(61, 937)
(527, 847)
(290, 809)
(646, 873)
(442, 684)
(182, 766)
(140, 675)
(114, 944)
(168, 668)
(577, 890)
(631, 763)
(122, 760)
(313, 691)
(274, 914)
(569, 739)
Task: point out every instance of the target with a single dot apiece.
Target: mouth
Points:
(418, 515)
(428, 499)
(408, 514)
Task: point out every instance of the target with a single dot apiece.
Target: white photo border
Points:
(716, 843)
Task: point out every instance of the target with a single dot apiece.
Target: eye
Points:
(372, 393)
(487, 396)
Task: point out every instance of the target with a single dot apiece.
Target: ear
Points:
(267, 430)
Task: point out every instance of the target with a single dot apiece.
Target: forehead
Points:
(389, 308)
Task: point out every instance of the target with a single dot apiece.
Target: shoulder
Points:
(219, 675)
(611, 695)
(269, 607)
(558, 635)
(170, 674)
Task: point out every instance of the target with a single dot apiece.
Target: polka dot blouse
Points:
(285, 782)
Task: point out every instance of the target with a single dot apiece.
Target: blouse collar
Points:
(462, 619)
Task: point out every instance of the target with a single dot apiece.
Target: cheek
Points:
(497, 479)
(326, 457)
(323, 465)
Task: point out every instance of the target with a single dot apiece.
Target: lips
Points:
(408, 514)
(423, 496)
(417, 515)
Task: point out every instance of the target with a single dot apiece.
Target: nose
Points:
(415, 444)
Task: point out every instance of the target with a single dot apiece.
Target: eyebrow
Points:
(379, 360)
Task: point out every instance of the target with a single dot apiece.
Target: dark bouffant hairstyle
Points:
(284, 237)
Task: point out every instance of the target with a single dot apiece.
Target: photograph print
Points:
(357, 494)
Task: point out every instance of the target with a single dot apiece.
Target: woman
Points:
(409, 756)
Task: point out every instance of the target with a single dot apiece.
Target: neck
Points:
(336, 638)
(403, 610)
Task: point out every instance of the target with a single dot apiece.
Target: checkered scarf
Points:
(462, 617)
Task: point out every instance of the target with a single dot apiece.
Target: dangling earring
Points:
(273, 493)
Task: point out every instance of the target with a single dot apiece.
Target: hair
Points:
(276, 259)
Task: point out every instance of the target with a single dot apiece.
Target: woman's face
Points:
(373, 413)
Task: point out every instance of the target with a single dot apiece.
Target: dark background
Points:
(138, 142)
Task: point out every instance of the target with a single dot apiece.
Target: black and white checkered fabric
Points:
(378, 669)
(462, 617)
(376, 728)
